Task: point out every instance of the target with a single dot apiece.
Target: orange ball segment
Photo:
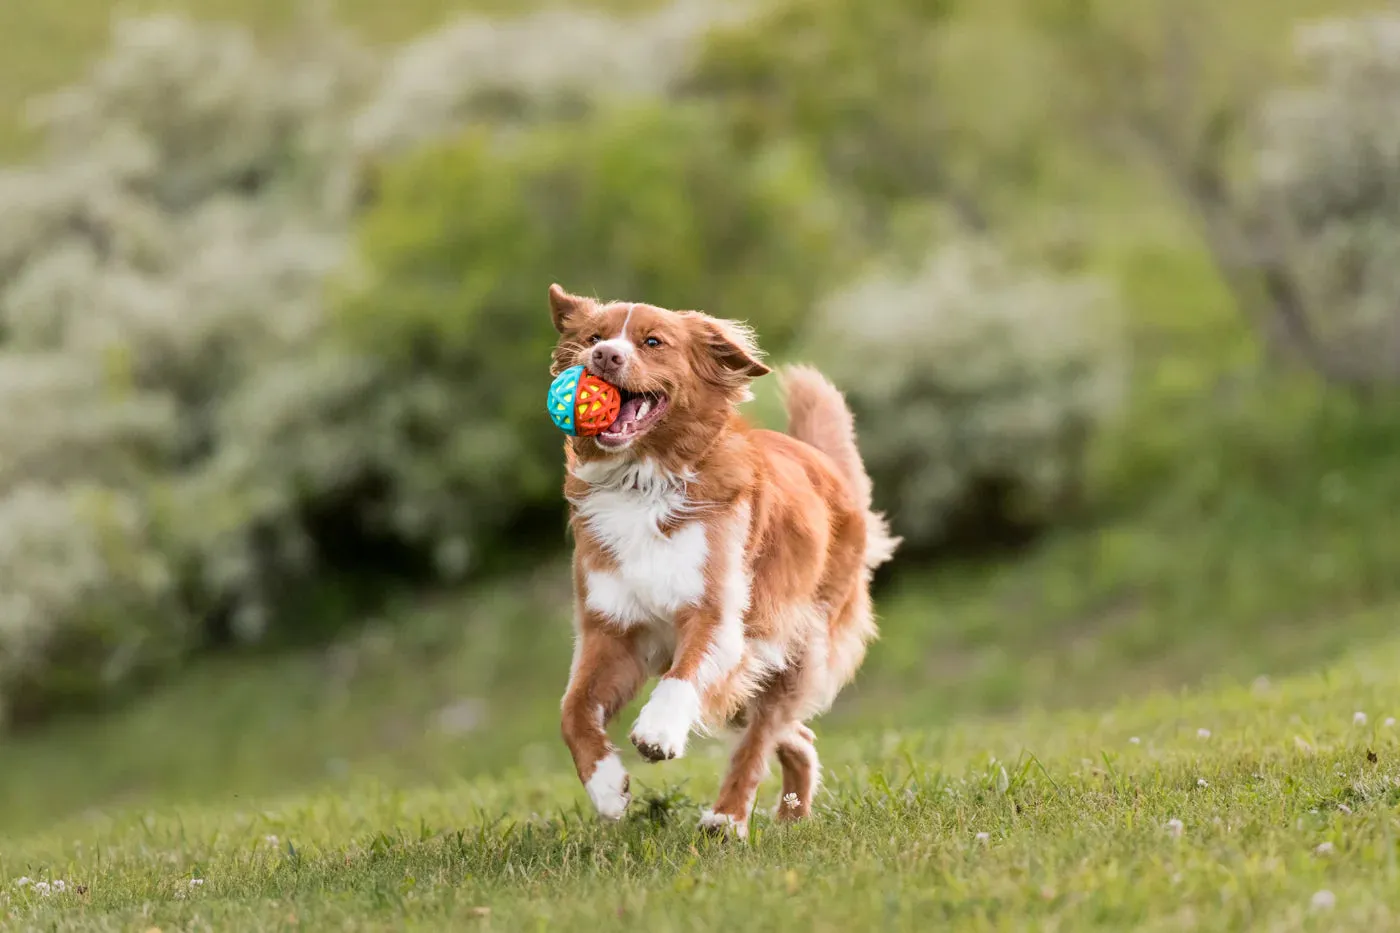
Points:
(581, 404)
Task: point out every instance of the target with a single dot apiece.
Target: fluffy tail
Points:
(818, 415)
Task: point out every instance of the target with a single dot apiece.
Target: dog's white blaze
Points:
(668, 716)
(625, 347)
(622, 343)
(727, 649)
(604, 787)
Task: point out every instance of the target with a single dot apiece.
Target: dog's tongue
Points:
(628, 415)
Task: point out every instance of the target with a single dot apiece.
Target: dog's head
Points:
(682, 373)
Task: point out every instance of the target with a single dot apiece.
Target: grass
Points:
(1076, 808)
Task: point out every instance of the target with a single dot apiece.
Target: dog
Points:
(733, 562)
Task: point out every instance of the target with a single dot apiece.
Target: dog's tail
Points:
(818, 415)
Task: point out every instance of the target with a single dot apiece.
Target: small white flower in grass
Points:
(270, 840)
(1324, 900)
(1175, 827)
(1202, 733)
(196, 882)
(984, 837)
(1201, 782)
(790, 801)
(60, 885)
(1135, 741)
(42, 887)
(1359, 718)
(1344, 808)
(1389, 722)
(22, 882)
(1323, 848)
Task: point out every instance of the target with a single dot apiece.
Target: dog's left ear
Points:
(563, 306)
(732, 345)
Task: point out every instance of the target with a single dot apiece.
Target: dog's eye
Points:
(595, 338)
(653, 342)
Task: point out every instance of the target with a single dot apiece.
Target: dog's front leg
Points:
(709, 647)
(705, 654)
(607, 675)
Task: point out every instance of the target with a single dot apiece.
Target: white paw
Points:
(608, 786)
(664, 723)
(723, 825)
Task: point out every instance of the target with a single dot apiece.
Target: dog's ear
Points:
(563, 306)
(732, 347)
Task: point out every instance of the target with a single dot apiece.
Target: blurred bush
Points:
(1326, 196)
(857, 83)
(977, 387)
(193, 194)
(88, 600)
(548, 65)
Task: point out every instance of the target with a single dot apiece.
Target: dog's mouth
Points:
(639, 413)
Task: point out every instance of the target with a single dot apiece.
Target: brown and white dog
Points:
(735, 563)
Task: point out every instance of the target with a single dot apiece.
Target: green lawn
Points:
(1286, 801)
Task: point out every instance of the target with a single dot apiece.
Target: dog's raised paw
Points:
(609, 788)
(664, 723)
(651, 751)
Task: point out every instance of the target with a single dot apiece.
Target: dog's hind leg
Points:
(797, 754)
(769, 717)
(747, 767)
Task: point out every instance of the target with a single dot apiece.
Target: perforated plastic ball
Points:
(581, 404)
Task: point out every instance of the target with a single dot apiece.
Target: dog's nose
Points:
(608, 358)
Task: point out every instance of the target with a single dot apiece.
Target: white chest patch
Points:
(656, 574)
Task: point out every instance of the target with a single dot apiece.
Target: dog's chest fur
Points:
(654, 574)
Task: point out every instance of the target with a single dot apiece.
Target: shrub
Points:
(88, 601)
(546, 65)
(194, 195)
(857, 82)
(977, 388)
(1327, 196)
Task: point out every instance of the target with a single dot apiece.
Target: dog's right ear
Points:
(563, 306)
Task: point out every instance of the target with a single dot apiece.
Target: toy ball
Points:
(581, 404)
